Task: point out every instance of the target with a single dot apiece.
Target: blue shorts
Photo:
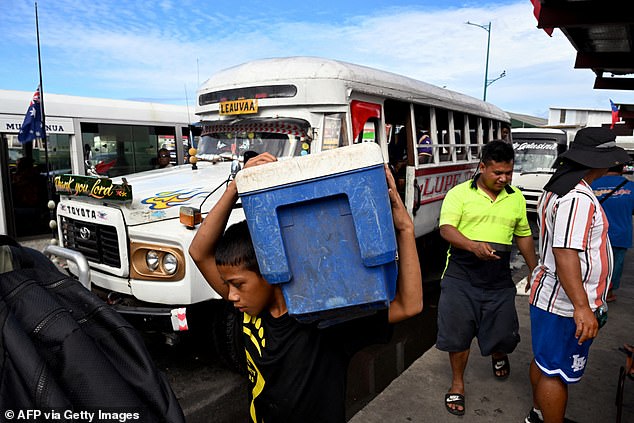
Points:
(557, 352)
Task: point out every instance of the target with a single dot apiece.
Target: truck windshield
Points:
(535, 157)
(279, 139)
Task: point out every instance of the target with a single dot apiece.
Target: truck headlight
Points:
(156, 262)
(152, 260)
(170, 263)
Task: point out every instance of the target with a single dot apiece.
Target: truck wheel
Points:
(227, 337)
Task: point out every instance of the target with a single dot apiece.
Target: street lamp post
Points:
(487, 81)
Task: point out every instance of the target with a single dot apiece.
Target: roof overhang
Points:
(600, 31)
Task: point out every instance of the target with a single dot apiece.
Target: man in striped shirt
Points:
(570, 281)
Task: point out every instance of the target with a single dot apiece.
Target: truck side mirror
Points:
(235, 167)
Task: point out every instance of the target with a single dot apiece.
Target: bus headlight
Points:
(156, 262)
(170, 263)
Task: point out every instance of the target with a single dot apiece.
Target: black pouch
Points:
(601, 313)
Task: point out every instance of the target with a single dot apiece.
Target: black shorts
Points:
(465, 312)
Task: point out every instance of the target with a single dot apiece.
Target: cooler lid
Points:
(317, 165)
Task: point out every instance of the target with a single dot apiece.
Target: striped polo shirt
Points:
(575, 221)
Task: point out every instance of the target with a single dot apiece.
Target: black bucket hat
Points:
(596, 148)
(592, 148)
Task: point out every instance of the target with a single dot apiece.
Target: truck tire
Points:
(227, 337)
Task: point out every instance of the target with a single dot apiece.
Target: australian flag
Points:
(32, 126)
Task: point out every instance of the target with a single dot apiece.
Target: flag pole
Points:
(39, 65)
(49, 182)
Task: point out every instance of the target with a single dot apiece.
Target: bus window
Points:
(474, 129)
(424, 140)
(486, 130)
(460, 136)
(442, 125)
(370, 129)
(334, 131)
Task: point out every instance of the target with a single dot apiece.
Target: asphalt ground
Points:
(417, 395)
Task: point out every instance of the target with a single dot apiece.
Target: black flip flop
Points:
(501, 364)
(454, 399)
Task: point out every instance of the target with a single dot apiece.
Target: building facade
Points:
(115, 136)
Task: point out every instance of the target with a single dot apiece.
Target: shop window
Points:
(123, 149)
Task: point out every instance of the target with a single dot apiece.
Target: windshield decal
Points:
(89, 186)
(534, 146)
(167, 199)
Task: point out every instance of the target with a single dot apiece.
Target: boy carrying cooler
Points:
(297, 372)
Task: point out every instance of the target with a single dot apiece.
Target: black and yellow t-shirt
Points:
(297, 372)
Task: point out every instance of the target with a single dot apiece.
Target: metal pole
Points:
(486, 66)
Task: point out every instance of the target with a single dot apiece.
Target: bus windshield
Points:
(280, 139)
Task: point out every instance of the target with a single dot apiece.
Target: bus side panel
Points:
(429, 189)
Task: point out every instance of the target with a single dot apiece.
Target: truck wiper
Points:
(538, 172)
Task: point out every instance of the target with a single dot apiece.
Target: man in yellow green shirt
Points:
(480, 218)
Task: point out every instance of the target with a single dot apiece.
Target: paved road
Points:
(418, 394)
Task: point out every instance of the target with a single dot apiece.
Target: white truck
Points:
(536, 152)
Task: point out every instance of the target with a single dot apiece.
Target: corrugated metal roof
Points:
(601, 32)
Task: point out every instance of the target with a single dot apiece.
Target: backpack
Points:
(62, 347)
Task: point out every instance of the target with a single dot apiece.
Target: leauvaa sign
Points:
(87, 186)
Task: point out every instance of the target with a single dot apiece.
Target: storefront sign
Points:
(11, 125)
(88, 186)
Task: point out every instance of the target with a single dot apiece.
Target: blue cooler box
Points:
(322, 227)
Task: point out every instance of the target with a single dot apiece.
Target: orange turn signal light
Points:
(190, 216)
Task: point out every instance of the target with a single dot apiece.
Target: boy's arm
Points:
(408, 300)
(203, 246)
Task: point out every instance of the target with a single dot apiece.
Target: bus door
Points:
(398, 120)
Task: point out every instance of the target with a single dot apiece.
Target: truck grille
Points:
(532, 198)
(98, 243)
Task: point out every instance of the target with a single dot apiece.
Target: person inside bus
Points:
(163, 159)
(297, 371)
(424, 149)
(397, 151)
(506, 133)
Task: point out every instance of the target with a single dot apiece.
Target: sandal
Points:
(457, 400)
(501, 367)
